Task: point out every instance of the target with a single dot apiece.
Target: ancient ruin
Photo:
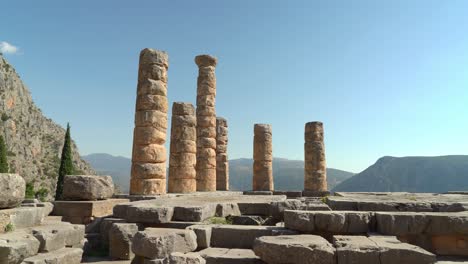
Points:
(206, 123)
(222, 163)
(148, 175)
(183, 157)
(263, 158)
(315, 167)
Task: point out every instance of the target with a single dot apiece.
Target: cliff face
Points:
(34, 142)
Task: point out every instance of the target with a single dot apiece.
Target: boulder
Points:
(159, 243)
(298, 249)
(13, 188)
(120, 238)
(87, 187)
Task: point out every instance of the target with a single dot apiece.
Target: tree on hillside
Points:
(66, 164)
(3, 156)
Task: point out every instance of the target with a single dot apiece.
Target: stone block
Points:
(58, 235)
(394, 251)
(21, 217)
(356, 249)
(298, 249)
(277, 208)
(187, 258)
(227, 209)
(194, 213)
(105, 226)
(61, 256)
(16, 246)
(87, 187)
(120, 237)
(332, 222)
(229, 256)
(149, 214)
(289, 194)
(83, 209)
(158, 243)
(254, 220)
(242, 236)
(203, 233)
(13, 188)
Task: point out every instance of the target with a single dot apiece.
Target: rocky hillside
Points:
(288, 174)
(34, 142)
(411, 174)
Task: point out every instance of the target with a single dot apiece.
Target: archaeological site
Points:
(180, 207)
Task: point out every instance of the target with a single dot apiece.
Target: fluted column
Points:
(263, 158)
(315, 171)
(148, 174)
(206, 123)
(222, 163)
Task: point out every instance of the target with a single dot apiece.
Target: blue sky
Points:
(385, 77)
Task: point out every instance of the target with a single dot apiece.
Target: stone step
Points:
(240, 236)
(17, 245)
(22, 217)
(61, 256)
(58, 235)
(379, 249)
(229, 256)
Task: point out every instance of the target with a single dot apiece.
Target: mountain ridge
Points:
(34, 142)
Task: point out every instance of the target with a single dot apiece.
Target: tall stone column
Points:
(206, 123)
(263, 158)
(183, 157)
(315, 171)
(148, 174)
(222, 163)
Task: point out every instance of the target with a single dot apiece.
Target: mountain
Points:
(34, 142)
(411, 174)
(288, 174)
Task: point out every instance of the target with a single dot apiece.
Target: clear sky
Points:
(385, 77)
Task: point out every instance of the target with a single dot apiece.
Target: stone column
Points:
(222, 163)
(206, 123)
(148, 174)
(315, 171)
(263, 158)
(183, 157)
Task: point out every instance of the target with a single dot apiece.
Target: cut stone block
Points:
(120, 238)
(298, 249)
(253, 208)
(194, 213)
(13, 188)
(229, 256)
(58, 235)
(227, 209)
(87, 187)
(187, 258)
(408, 223)
(159, 243)
(203, 233)
(232, 236)
(394, 251)
(277, 208)
(450, 245)
(356, 249)
(16, 246)
(24, 216)
(289, 194)
(77, 212)
(104, 228)
(149, 214)
(334, 222)
(61, 256)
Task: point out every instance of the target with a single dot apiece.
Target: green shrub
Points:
(219, 221)
(5, 117)
(9, 228)
(42, 194)
(3, 156)
(29, 193)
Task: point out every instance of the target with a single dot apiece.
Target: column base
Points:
(307, 193)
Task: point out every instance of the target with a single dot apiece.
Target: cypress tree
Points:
(3, 156)
(66, 164)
